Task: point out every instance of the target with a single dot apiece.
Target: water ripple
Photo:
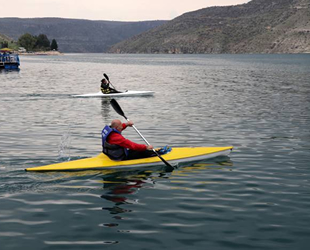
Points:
(258, 198)
(86, 243)
(28, 223)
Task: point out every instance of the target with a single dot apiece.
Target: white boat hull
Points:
(127, 93)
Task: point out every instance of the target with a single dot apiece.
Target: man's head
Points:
(117, 124)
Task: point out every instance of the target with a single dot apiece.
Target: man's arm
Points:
(119, 140)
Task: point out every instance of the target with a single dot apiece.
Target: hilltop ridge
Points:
(260, 26)
(76, 35)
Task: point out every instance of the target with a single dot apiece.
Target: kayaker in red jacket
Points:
(117, 147)
(118, 139)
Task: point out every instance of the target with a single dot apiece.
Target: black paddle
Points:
(119, 110)
(106, 76)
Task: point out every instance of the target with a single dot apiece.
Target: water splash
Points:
(64, 146)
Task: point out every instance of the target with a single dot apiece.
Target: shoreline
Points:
(41, 53)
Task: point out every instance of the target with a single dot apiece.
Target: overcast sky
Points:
(115, 10)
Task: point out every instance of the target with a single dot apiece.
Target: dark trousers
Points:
(133, 154)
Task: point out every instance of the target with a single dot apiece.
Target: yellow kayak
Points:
(177, 155)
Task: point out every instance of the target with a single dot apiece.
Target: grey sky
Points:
(116, 10)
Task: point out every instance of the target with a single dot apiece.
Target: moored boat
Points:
(8, 60)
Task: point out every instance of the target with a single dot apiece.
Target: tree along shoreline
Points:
(37, 43)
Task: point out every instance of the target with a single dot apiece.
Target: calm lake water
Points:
(258, 198)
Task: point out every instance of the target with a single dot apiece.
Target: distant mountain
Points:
(76, 35)
(260, 26)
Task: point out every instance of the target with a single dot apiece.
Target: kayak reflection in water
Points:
(119, 192)
(119, 148)
(105, 87)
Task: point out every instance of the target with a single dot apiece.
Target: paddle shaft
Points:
(140, 134)
(106, 76)
(119, 110)
(150, 144)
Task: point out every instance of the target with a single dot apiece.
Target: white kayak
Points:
(126, 93)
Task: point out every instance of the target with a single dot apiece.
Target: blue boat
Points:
(8, 60)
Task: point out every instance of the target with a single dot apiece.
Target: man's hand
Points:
(130, 123)
(149, 147)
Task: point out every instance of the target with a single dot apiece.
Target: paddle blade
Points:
(164, 161)
(106, 76)
(117, 108)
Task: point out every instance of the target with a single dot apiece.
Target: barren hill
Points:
(76, 35)
(260, 26)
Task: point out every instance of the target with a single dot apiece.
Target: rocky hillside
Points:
(4, 38)
(260, 26)
(6, 41)
(76, 35)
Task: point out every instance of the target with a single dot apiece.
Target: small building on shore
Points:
(22, 50)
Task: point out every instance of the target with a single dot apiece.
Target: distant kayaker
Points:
(105, 87)
(119, 148)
